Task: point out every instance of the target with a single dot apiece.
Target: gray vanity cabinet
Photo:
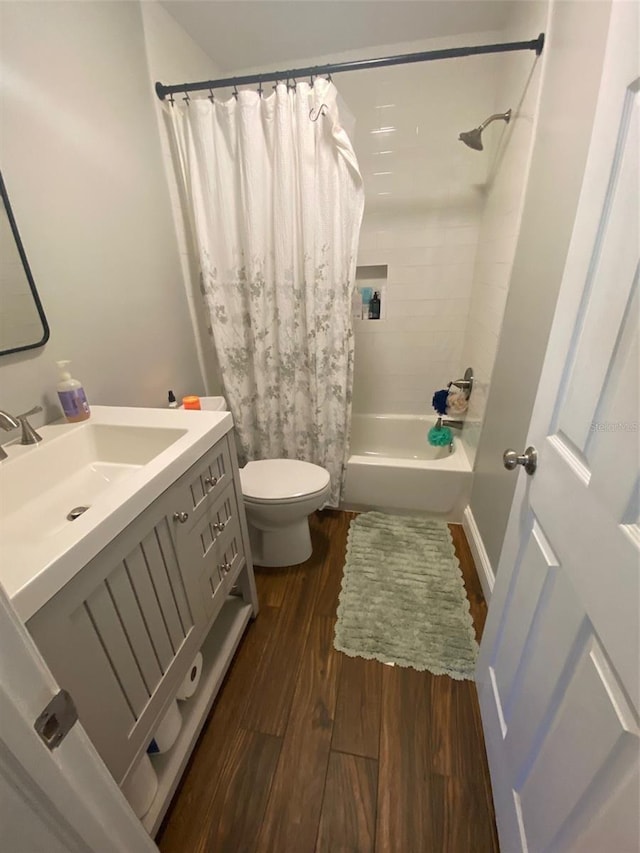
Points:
(122, 634)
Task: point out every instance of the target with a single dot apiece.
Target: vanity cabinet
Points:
(122, 634)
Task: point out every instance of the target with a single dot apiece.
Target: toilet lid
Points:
(282, 479)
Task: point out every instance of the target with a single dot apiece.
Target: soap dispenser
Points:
(72, 397)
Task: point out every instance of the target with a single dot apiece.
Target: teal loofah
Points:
(440, 437)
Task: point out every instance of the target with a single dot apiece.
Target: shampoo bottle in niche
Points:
(374, 306)
(72, 396)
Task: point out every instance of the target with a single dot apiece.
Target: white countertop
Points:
(37, 558)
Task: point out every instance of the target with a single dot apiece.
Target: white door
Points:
(559, 666)
(59, 801)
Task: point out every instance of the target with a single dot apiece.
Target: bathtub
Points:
(393, 467)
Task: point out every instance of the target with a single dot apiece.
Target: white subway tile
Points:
(457, 254)
(466, 236)
(449, 311)
(407, 360)
(446, 288)
(392, 340)
(405, 274)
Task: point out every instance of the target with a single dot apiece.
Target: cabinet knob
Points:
(180, 516)
(210, 482)
(225, 567)
(220, 525)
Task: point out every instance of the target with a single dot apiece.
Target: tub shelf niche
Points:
(369, 280)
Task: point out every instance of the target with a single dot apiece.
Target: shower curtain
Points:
(275, 202)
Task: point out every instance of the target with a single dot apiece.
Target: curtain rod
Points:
(358, 65)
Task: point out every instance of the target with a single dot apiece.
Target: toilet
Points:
(279, 495)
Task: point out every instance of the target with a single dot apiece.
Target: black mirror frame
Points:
(27, 270)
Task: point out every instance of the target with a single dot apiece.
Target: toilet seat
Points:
(282, 481)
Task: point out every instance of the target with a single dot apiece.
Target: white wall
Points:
(574, 53)
(507, 151)
(81, 156)
(173, 57)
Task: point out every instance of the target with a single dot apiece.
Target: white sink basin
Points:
(108, 469)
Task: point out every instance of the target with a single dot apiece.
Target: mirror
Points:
(22, 321)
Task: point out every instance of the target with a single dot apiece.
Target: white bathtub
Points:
(393, 467)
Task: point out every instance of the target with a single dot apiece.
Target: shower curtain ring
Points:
(235, 91)
(186, 98)
(321, 111)
(211, 95)
(260, 87)
(171, 99)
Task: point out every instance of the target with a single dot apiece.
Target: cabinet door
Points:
(121, 635)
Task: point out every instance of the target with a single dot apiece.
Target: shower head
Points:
(473, 138)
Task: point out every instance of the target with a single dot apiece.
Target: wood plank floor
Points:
(309, 750)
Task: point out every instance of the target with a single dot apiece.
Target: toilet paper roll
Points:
(141, 786)
(191, 679)
(167, 731)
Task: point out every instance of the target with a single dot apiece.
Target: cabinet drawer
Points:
(209, 477)
(231, 554)
(208, 550)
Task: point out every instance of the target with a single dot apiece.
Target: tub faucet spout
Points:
(446, 422)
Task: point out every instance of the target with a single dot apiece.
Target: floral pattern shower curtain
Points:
(276, 202)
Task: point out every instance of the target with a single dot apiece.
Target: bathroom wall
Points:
(81, 157)
(507, 153)
(173, 57)
(569, 89)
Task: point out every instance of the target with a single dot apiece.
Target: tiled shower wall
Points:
(424, 202)
(402, 359)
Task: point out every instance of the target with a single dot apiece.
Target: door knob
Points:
(528, 460)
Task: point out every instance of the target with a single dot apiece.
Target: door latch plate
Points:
(57, 719)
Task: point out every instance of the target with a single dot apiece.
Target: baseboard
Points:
(480, 556)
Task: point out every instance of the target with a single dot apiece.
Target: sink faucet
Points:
(29, 435)
(7, 422)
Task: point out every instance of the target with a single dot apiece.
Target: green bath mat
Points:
(403, 599)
